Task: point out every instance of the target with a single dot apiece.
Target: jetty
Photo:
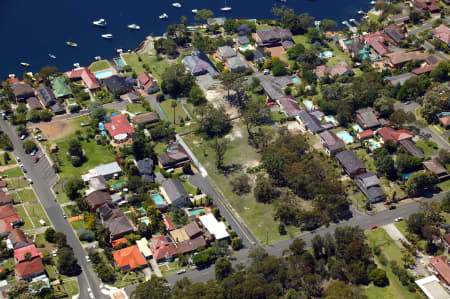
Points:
(352, 28)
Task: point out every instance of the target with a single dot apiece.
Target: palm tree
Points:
(173, 105)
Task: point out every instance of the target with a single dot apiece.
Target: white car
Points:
(88, 259)
(30, 181)
(54, 253)
(17, 159)
(181, 271)
(42, 222)
(398, 219)
(23, 137)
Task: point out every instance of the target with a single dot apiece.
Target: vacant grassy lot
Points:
(17, 182)
(157, 67)
(134, 108)
(99, 65)
(338, 56)
(36, 213)
(25, 219)
(302, 39)
(13, 172)
(379, 237)
(179, 111)
(26, 195)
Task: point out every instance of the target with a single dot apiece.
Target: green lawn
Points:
(379, 237)
(429, 147)
(71, 287)
(13, 172)
(25, 219)
(26, 195)
(62, 197)
(302, 39)
(157, 67)
(338, 56)
(401, 226)
(179, 111)
(77, 224)
(189, 188)
(276, 116)
(445, 185)
(133, 108)
(11, 159)
(36, 213)
(17, 183)
(99, 65)
(40, 241)
(257, 216)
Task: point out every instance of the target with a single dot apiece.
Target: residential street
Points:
(43, 176)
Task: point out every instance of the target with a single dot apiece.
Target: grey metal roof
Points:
(412, 148)
(119, 226)
(366, 118)
(350, 161)
(369, 184)
(236, 63)
(174, 189)
(198, 64)
(332, 142)
(145, 166)
(226, 52)
(108, 169)
(400, 79)
(312, 123)
(243, 39)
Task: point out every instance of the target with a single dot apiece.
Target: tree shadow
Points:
(229, 169)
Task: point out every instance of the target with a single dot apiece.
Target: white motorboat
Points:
(97, 58)
(52, 56)
(107, 36)
(194, 11)
(134, 27)
(24, 64)
(164, 16)
(226, 8)
(361, 12)
(177, 5)
(119, 50)
(373, 2)
(76, 64)
(100, 22)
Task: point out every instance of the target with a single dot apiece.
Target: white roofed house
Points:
(144, 248)
(218, 229)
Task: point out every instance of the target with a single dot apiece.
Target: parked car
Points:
(23, 168)
(374, 226)
(181, 271)
(30, 181)
(64, 215)
(407, 102)
(23, 137)
(17, 159)
(54, 252)
(88, 259)
(392, 207)
(4, 115)
(36, 130)
(42, 222)
(398, 219)
(34, 152)
(36, 160)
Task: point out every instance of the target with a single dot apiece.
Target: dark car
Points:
(392, 207)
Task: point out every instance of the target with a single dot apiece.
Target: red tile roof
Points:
(440, 264)
(2, 183)
(119, 125)
(423, 70)
(5, 226)
(372, 37)
(380, 48)
(443, 33)
(365, 134)
(117, 242)
(86, 75)
(445, 121)
(19, 254)
(5, 197)
(29, 268)
(159, 241)
(13, 81)
(146, 80)
(9, 214)
(447, 238)
(130, 258)
(168, 223)
(164, 252)
(388, 133)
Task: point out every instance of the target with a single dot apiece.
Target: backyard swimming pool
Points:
(245, 47)
(357, 128)
(373, 144)
(326, 54)
(344, 135)
(196, 212)
(295, 80)
(157, 198)
(119, 61)
(103, 74)
(309, 104)
(330, 118)
(145, 220)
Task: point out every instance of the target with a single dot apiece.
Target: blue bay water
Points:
(30, 30)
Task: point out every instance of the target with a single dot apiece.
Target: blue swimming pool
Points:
(103, 74)
(101, 126)
(344, 135)
(309, 104)
(443, 114)
(326, 54)
(295, 80)
(196, 212)
(357, 128)
(145, 220)
(329, 118)
(245, 47)
(373, 144)
(119, 61)
(157, 198)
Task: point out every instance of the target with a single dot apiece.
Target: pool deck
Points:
(113, 72)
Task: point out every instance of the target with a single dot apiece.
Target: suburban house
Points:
(236, 64)
(22, 92)
(412, 148)
(445, 121)
(400, 57)
(145, 119)
(259, 56)
(132, 96)
(243, 30)
(144, 248)
(29, 269)
(218, 229)
(147, 83)
(192, 230)
(174, 158)
(34, 104)
(129, 258)
(108, 211)
(5, 198)
(117, 85)
(369, 184)
(167, 223)
(388, 133)
(46, 96)
(331, 143)
(174, 192)
(439, 266)
(352, 165)
(199, 64)
(399, 19)
(120, 128)
(400, 79)
(119, 227)
(442, 33)
(162, 249)
(60, 87)
(189, 246)
(179, 235)
(9, 215)
(379, 48)
(58, 108)
(437, 168)
(395, 34)
(97, 199)
(343, 68)
(367, 118)
(366, 134)
(309, 122)
(86, 76)
(272, 37)
(20, 253)
(274, 86)
(18, 239)
(243, 39)
(426, 5)
(225, 52)
(109, 170)
(97, 183)
(289, 105)
(145, 168)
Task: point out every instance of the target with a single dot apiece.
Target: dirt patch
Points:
(236, 132)
(217, 98)
(55, 129)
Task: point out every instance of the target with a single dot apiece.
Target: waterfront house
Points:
(236, 64)
(331, 143)
(442, 33)
(97, 199)
(243, 39)
(60, 87)
(399, 19)
(22, 92)
(244, 30)
(367, 118)
(29, 269)
(34, 104)
(426, 5)
(129, 258)
(225, 52)
(147, 83)
(352, 165)
(88, 78)
(272, 37)
(395, 34)
(18, 239)
(120, 128)
(174, 192)
(46, 96)
(145, 168)
(199, 64)
(369, 184)
(117, 85)
(145, 119)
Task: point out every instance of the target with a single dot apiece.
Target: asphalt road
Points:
(43, 177)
